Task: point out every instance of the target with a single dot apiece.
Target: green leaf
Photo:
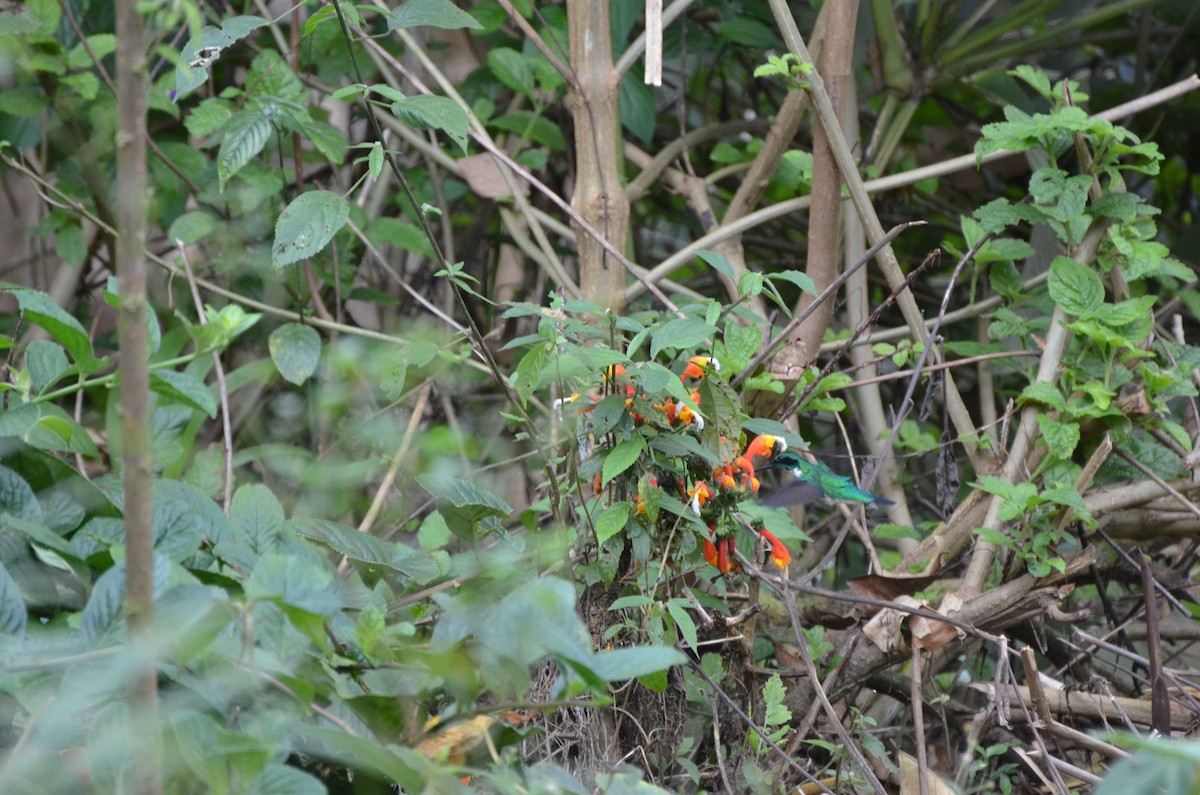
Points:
(621, 664)
(277, 779)
(307, 225)
(463, 493)
(13, 613)
(529, 370)
(104, 613)
(436, 13)
(798, 278)
(271, 78)
(245, 135)
(1061, 437)
(207, 117)
(191, 227)
(687, 627)
(1042, 392)
(185, 388)
(719, 262)
(512, 69)
(366, 548)
(256, 518)
(198, 55)
(427, 112)
(680, 333)
(295, 349)
(635, 103)
(70, 245)
(47, 362)
(1075, 287)
(622, 457)
(434, 532)
(611, 521)
(39, 309)
(296, 583)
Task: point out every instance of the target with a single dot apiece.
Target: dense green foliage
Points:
(424, 509)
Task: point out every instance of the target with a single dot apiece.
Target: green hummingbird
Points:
(815, 480)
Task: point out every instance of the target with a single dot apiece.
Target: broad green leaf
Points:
(1075, 287)
(1042, 392)
(719, 262)
(70, 245)
(687, 627)
(13, 613)
(622, 457)
(366, 548)
(635, 102)
(433, 532)
(798, 278)
(307, 225)
(191, 227)
(512, 69)
(435, 13)
(277, 779)
(621, 664)
(1061, 437)
(611, 521)
(680, 333)
(47, 361)
(184, 388)
(39, 309)
(425, 112)
(529, 370)
(207, 117)
(17, 497)
(104, 613)
(463, 493)
(245, 135)
(197, 56)
(256, 518)
(271, 78)
(295, 348)
(296, 583)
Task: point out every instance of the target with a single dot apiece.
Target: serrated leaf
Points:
(245, 135)
(307, 225)
(366, 548)
(435, 13)
(1075, 287)
(1061, 437)
(271, 78)
(1042, 392)
(426, 112)
(622, 457)
(184, 388)
(463, 493)
(295, 348)
(296, 582)
(611, 521)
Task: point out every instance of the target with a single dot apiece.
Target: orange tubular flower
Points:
(764, 446)
(710, 552)
(723, 477)
(698, 367)
(700, 494)
(779, 553)
(725, 554)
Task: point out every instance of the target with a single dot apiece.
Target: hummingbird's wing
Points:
(797, 492)
(832, 485)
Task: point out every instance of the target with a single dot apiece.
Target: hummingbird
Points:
(815, 480)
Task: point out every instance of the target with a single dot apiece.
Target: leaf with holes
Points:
(307, 225)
